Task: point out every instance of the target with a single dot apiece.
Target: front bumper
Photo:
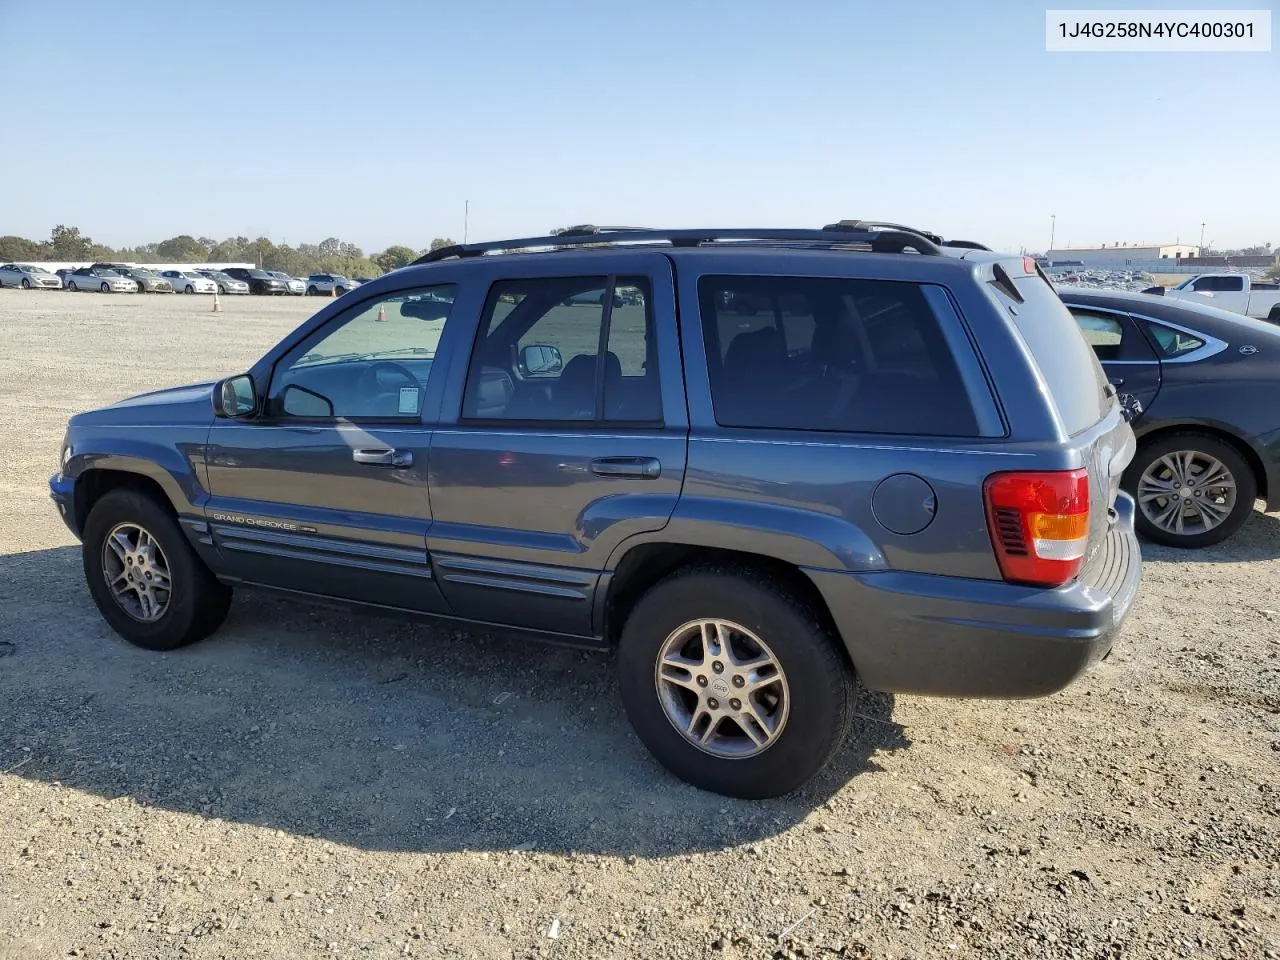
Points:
(946, 636)
(62, 490)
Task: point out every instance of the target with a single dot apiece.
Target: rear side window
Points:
(806, 353)
(1066, 360)
(1173, 343)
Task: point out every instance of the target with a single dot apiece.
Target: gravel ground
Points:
(311, 783)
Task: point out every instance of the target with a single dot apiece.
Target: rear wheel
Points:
(733, 684)
(144, 576)
(1193, 490)
(1274, 315)
(72, 286)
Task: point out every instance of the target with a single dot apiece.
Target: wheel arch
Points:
(644, 565)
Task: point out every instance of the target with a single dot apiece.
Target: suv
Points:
(854, 451)
(260, 282)
(329, 283)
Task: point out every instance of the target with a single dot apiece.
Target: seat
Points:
(574, 396)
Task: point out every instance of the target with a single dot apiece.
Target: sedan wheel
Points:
(190, 289)
(1192, 490)
(72, 286)
(105, 288)
(312, 291)
(26, 284)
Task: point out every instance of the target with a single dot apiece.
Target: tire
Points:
(189, 289)
(72, 286)
(1204, 449)
(817, 676)
(197, 603)
(312, 291)
(26, 284)
(222, 291)
(105, 288)
(1274, 315)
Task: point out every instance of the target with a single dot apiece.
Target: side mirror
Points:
(540, 359)
(235, 397)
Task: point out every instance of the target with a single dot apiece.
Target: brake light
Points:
(1039, 524)
(1029, 265)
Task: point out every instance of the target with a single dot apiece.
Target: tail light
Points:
(1039, 524)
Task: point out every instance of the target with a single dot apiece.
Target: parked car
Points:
(148, 281)
(100, 280)
(1203, 383)
(188, 281)
(1236, 292)
(226, 283)
(260, 282)
(325, 284)
(293, 284)
(28, 276)
(909, 476)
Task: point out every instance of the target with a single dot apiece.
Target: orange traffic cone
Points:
(333, 291)
(382, 312)
(217, 304)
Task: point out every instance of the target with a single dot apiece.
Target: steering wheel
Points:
(384, 378)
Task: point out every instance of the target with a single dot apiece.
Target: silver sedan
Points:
(100, 279)
(28, 277)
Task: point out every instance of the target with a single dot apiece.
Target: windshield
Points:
(193, 276)
(33, 269)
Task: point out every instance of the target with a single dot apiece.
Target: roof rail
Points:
(881, 225)
(893, 240)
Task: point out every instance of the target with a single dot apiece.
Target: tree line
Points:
(328, 256)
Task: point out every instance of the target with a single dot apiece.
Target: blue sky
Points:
(376, 121)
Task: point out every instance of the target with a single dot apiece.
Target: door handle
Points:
(1117, 381)
(383, 457)
(644, 468)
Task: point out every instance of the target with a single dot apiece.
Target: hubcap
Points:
(722, 687)
(137, 572)
(1187, 492)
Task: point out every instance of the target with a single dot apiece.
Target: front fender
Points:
(176, 468)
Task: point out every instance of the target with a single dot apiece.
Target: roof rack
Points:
(882, 238)
(880, 225)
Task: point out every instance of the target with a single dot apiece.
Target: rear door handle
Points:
(644, 468)
(383, 457)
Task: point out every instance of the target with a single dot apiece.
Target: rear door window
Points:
(839, 354)
(1112, 336)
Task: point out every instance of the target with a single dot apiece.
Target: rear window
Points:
(1067, 362)
(838, 354)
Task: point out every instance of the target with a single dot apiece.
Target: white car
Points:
(324, 284)
(26, 276)
(100, 280)
(188, 281)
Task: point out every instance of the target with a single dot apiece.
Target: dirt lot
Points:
(312, 784)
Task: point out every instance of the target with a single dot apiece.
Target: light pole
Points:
(466, 219)
(1053, 226)
(1202, 239)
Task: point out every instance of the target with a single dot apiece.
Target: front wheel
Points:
(733, 683)
(144, 576)
(1193, 490)
(72, 286)
(312, 291)
(26, 284)
(189, 289)
(105, 288)
(222, 291)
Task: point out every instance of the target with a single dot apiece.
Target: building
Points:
(1124, 254)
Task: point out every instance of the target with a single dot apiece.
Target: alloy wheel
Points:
(722, 688)
(1187, 492)
(137, 572)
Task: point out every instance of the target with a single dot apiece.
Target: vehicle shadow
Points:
(1258, 539)
(369, 731)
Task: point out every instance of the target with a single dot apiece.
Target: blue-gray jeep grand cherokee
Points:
(756, 463)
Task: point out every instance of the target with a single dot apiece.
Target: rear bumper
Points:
(946, 636)
(62, 490)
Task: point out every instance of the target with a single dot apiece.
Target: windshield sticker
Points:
(408, 399)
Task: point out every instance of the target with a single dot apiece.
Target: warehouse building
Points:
(1123, 254)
